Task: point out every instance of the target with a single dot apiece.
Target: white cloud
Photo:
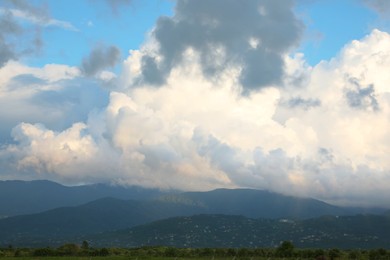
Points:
(197, 133)
(53, 95)
(41, 20)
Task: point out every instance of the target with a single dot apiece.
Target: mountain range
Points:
(26, 197)
(67, 219)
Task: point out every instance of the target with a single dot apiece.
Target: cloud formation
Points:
(99, 59)
(253, 35)
(21, 20)
(323, 142)
(54, 95)
(321, 131)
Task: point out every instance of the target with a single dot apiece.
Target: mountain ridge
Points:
(28, 197)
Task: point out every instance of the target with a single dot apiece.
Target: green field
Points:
(139, 258)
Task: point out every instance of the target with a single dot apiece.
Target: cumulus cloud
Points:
(253, 35)
(54, 95)
(321, 131)
(193, 133)
(99, 59)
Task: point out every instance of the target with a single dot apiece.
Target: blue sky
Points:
(329, 26)
(283, 95)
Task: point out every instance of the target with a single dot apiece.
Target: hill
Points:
(27, 197)
(57, 226)
(361, 231)
(257, 204)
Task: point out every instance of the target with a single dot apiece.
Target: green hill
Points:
(27, 197)
(361, 231)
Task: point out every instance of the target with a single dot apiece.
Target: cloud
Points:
(7, 27)
(54, 95)
(13, 27)
(302, 103)
(380, 6)
(6, 52)
(361, 97)
(99, 59)
(254, 35)
(193, 133)
(321, 131)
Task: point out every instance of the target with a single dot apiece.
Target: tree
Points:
(334, 253)
(286, 249)
(68, 249)
(85, 245)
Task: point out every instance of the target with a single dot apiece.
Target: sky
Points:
(291, 96)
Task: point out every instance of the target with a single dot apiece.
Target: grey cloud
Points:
(252, 34)
(380, 6)
(6, 52)
(99, 59)
(300, 102)
(230, 160)
(150, 71)
(8, 27)
(11, 31)
(359, 97)
(38, 12)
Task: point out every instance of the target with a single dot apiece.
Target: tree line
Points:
(285, 250)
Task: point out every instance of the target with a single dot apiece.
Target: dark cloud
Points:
(300, 102)
(360, 97)
(99, 59)
(6, 52)
(253, 34)
(152, 73)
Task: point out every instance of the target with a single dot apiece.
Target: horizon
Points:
(288, 96)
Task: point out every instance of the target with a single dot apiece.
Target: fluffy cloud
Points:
(327, 138)
(54, 95)
(321, 131)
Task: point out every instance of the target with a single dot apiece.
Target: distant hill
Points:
(26, 197)
(256, 204)
(56, 226)
(361, 231)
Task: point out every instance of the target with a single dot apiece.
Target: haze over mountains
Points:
(55, 214)
(26, 197)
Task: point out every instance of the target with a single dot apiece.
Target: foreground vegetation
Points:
(285, 250)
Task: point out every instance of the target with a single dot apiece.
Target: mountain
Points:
(258, 204)
(59, 225)
(361, 231)
(55, 227)
(26, 197)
